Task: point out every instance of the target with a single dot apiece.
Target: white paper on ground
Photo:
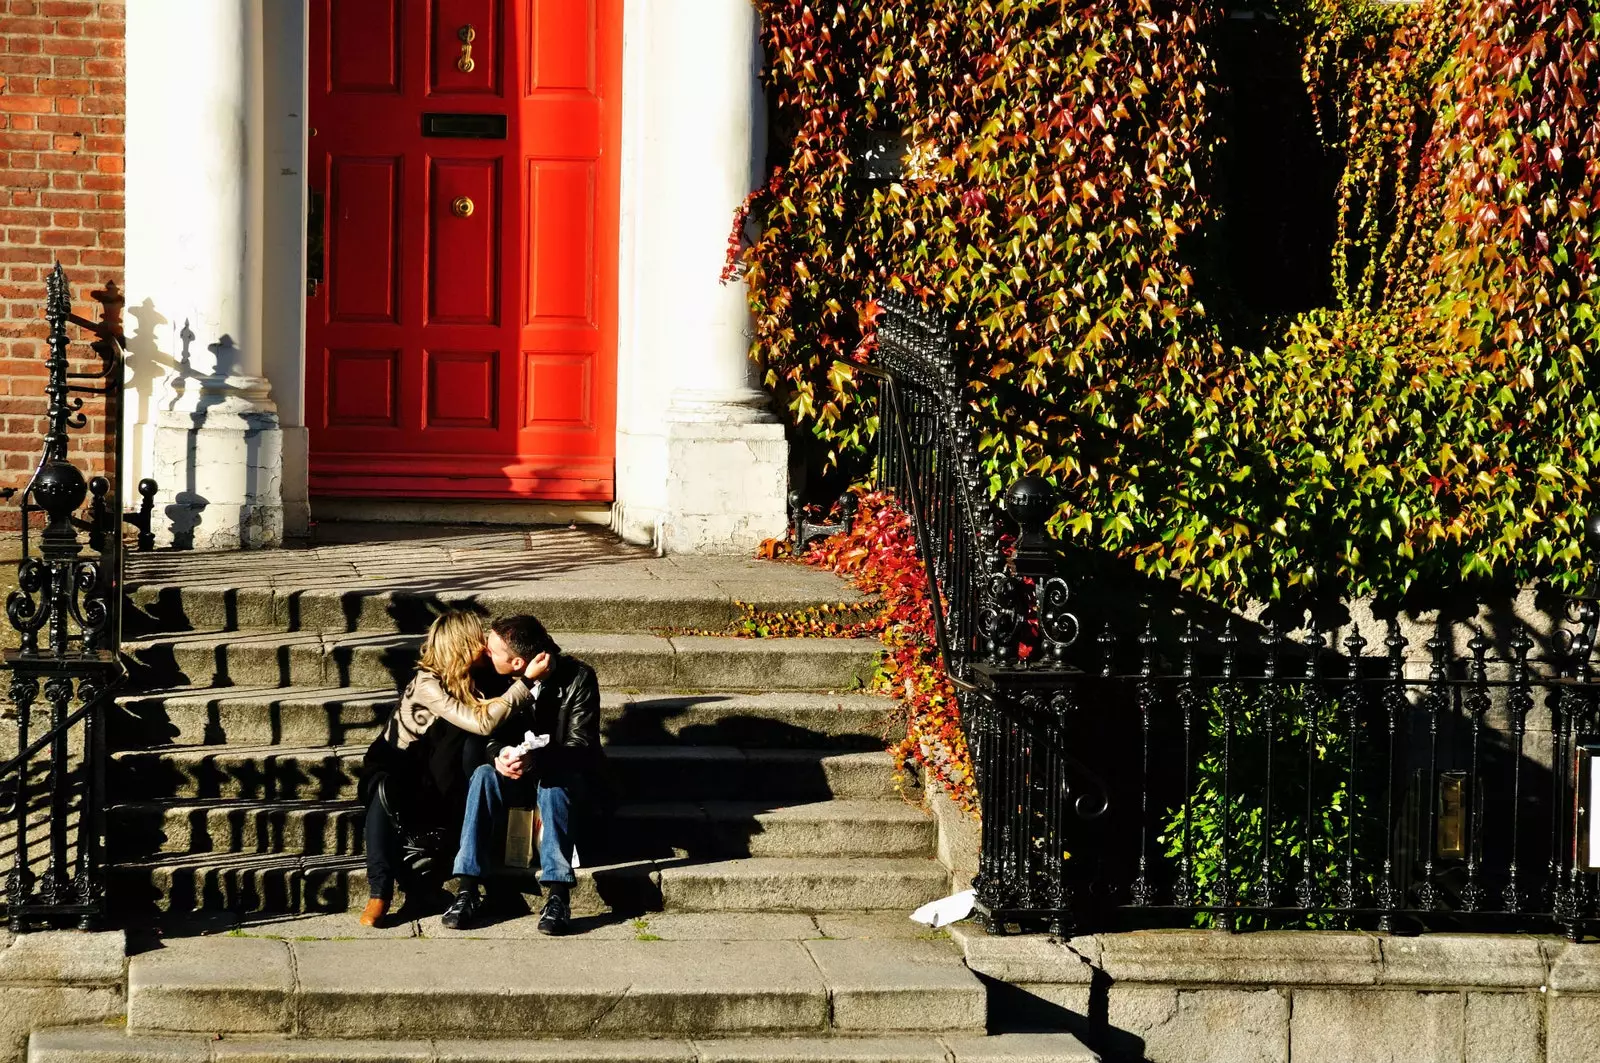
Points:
(946, 910)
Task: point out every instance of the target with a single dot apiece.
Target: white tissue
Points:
(946, 910)
(530, 742)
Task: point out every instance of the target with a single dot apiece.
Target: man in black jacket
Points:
(566, 706)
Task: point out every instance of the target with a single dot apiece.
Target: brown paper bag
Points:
(522, 828)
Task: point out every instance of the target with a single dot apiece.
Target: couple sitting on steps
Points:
(450, 758)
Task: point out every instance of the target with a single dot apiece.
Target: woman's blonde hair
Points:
(454, 643)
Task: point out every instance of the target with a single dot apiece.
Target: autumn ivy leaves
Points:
(1436, 423)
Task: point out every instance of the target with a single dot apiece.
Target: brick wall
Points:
(62, 106)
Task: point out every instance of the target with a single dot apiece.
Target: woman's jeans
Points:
(488, 796)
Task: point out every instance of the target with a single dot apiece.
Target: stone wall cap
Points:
(1465, 960)
(63, 957)
(1027, 957)
(1574, 968)
(1214, 957)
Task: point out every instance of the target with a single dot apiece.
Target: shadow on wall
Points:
(150, 370)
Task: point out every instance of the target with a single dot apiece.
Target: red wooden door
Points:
(461, 340)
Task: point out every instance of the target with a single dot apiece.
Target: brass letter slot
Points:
(465, 126)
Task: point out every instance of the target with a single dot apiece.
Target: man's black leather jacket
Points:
(567, 709)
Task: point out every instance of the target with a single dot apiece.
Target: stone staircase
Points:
(752, 771)
(749, 905)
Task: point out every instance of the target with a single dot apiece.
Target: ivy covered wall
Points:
(1065, 198)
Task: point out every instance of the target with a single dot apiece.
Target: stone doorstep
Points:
(1287, 958)
(628, 661)
(733, 828)
(349, 603)
(281, 883)
(440, 988)
(63, 957)
(270, 773)
(106, 1045)
(328, 716)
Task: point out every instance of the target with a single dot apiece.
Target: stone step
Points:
(104, 1045)
(317, 715)
(248, 882)
(589, 604)
(622, 661)
(642, 773)
(636, 831)
(570, 987)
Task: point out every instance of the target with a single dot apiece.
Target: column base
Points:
(727, 487)
(219, 465)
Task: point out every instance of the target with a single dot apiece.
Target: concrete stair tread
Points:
(410, 987)
(319, 715)
(570, 579)
(106, 1045)
(287, 882)
(841, 808)
(627, 661)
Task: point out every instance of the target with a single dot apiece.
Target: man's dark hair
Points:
(524, 636)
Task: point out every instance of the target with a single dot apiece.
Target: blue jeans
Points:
(488, 794)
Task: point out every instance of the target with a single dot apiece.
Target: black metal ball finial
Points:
(1030, 501)
(59, 489)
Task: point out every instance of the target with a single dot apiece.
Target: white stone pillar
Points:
(195, 194)
(695, 145)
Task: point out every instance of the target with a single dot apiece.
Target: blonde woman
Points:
(403, 790)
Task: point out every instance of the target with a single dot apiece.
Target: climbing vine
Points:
(1433, 423)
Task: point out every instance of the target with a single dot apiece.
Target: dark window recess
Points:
(467, 126)
(1278, 184)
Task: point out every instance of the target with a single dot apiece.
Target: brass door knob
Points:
(461, 207)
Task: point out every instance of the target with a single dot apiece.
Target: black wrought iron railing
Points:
(66, 610)
(1180, 765)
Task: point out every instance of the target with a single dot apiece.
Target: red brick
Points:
(21, 64)
(55, 160)
(22, 123)
(54, 200)
(67, 238)
(60, 179)
(28, 104)
(65, 123)
(108, 259)
(103, 182)
(68, 9)
(68, 46)
(63, 86)
(25, 28)
(34, 179)
(108, 164)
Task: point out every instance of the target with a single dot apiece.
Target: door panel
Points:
(364, 204)
(561, 45)
(362, 388)
(457, 65)
(464, 252)
(364, 53)
(560, 213)
(463, 389)
(464, 343)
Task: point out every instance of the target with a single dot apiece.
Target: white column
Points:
(195, 193)
(712, 468)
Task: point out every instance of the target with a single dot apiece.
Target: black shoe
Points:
(462, 911)
(556, 915)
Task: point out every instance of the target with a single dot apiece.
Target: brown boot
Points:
(375, 910)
